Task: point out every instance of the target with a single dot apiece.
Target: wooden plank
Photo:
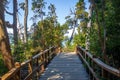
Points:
(65, 66)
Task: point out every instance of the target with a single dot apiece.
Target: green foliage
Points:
(3, 68)
(23, 51)
(79, 14)
(113, 26)
(108, 18)
(69, 47)
(80, 9)
(111, 20)
(38, 7)
(94, 42)
(47, 34)
(79, 39)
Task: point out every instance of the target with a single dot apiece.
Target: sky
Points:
(62, 10)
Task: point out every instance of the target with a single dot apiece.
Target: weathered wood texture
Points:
(65, 66)
(33, 67)
(98, 70)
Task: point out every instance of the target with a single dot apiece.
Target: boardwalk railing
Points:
(31, 68)
(97, 69)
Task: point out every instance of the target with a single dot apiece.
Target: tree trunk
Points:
(102, 41)
(72, 33)
(88, 26)
(74, 25)
(99, 29)
(104, 27)
(4, 41)
(15, 32)
(25, 21)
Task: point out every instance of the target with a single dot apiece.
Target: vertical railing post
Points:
(59, 50)
(30, 66)
(48, 55)
(104, 74)
(52, 51)
(45, 59)
(37, 64)
(42, 61)
(85, 56)
(76, 50)
(18, 75)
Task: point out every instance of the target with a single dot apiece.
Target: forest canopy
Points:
(95, 28)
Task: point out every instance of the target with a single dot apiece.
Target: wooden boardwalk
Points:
(65, 66)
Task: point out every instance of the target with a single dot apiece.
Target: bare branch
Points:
(9, 13)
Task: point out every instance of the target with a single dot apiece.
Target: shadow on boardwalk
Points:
(65, 66)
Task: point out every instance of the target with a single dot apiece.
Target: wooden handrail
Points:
(106, 67)
(90, 61)
(14, 71)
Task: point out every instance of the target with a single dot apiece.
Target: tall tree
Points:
(15, 32)
(25, 21)
(82, 17)
(88, 26)
(101, 24)
(52, 12)
(4, 41)
(104, 29)
(38, 7)
(72, 22)
(112, 19)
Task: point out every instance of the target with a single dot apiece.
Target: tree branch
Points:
(9, 12)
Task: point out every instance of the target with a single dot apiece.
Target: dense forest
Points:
(97, 29)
